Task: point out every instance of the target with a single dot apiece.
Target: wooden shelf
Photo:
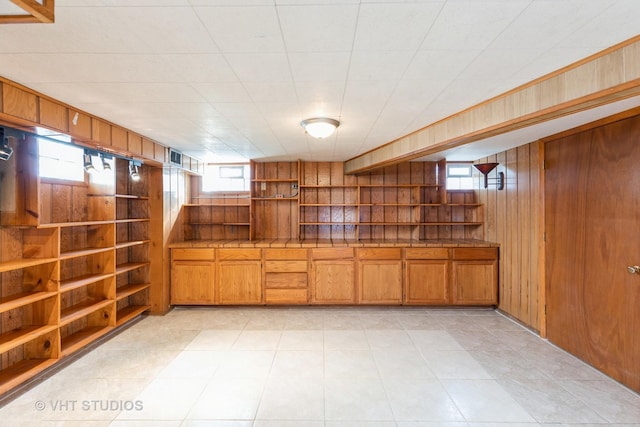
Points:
(75, 224)
(128, 313)
(83, 252)
(276, 199)
(24, 263)
(78, 311)
(12, 302)
(82, 338)
(80, 281)
(21, 371)
(129, 220)
(218, 223)
(128, 290)
(123, 245)
(274, 180)
(214, 205)
(405, 205)
(130, 196)
(329, 205)
(448, 223)
(330, 186)
(17, 337)
(330, 223)
(130, 266)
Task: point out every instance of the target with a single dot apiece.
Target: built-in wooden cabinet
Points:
(192, 276)
(74, 260)
(333, 276)
(379, 275)
(427, 276)
(239, 276)
(285, 276)
(474, 276)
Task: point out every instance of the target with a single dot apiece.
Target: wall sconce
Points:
(133, 170)
(485, 168)
(88, 162)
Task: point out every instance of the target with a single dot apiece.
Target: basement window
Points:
(60, 161)
(459, 176)
(226, 178)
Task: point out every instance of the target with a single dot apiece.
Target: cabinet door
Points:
(427, 282)
(475, 282)
(333, 282)
(192, 282)
(380, 282)
(240, 282)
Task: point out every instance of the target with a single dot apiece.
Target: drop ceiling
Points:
(230, 80)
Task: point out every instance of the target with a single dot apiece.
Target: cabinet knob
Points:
(634, 269)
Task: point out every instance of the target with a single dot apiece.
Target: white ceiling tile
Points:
(320, 91)
(544, 23)
(379, 66)
(499, 64)
(260, 67)
(439, 64)
(318, 28)
(222, 92)
(250, 29)
(200, 68)
(397, 26)
(230, 2)
(272, 92)
(472, 24)
(319, 66)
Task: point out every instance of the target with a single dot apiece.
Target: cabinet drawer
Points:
(379, 253)
(285, 254)
(239, 254)
(286, 296)
(285, 280)
(427, 253)
(193, 254)
(286, 266)
(332, 253)
(475, 253)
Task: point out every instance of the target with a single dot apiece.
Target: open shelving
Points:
(73, 267)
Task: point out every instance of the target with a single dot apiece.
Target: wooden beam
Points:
(18, 19)
(606, 77)
(42, 12)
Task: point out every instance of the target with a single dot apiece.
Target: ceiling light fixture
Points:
(88, 163)
(320, 127)
(105, 164)
(133, 170)
(5, 150)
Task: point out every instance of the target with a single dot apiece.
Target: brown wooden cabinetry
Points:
(380, 275)
(239, 276)
(332, 276)
(474, 276)
(285, 276)
(427, 276)
(192, 276)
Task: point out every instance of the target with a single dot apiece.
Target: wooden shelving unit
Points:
(76, 271)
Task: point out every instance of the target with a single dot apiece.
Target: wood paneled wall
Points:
(513, 218)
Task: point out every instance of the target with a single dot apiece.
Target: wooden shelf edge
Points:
(131, 196)
(274, 180)
(78, 282)
(19, 372)
(82, 338)
(83, 252)
(17, 337)
(128, 313)
(12, 302)
(75, 224)
(124, 268)
(81, 310)
(126, 291)
(129, 220)
(24, 263)
(123, 245)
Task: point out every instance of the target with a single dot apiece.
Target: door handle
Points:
(634, 269)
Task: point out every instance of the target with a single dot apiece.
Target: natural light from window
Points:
(459, 176)
(60, 161)
(226, 178)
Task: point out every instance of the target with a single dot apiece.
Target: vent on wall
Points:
(175, 157)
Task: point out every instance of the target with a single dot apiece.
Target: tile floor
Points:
(334, 367)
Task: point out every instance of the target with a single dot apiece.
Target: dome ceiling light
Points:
(320, 127)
